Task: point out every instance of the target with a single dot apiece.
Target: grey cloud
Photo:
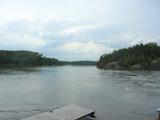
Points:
(47, 37)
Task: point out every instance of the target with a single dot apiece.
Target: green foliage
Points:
(24, 58)
(50, 61)
(85, 62)
(138, 54)
(28, 58)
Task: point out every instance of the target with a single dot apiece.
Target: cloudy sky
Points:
(77, 29)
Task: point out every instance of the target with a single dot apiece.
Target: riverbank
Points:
(154, 65)
(22, 58)
(137, 57)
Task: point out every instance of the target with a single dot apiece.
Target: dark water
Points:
(114, 95)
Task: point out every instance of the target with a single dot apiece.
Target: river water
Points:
(114, 95)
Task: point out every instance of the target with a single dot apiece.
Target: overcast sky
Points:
(77, 29)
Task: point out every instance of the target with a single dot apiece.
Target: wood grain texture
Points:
(70, 112)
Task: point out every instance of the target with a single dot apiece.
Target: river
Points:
(114, 95)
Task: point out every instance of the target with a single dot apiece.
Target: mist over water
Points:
(122, 95)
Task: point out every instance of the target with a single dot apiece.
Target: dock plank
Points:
(70, 112)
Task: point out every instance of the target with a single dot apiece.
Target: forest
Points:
(143, 56)
(82, 62)
(24, 58)
(29, 58)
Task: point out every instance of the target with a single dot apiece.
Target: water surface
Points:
(122, 95)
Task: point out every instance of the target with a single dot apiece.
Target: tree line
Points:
(83, 62)
(24, 58)
(29, 58)
(138, 54)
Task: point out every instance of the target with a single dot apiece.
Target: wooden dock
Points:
(69, 112)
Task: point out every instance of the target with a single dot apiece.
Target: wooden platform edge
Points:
(69, 112)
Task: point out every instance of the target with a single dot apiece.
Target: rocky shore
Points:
(153, 65)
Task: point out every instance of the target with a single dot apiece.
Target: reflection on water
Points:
(122, 95)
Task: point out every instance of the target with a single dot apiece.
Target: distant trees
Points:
(50, 61)
(24, 58)
(138, 54)
(29, 58)
(84, 62)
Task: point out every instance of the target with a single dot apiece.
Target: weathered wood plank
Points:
(88, 118)
(70, 112)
